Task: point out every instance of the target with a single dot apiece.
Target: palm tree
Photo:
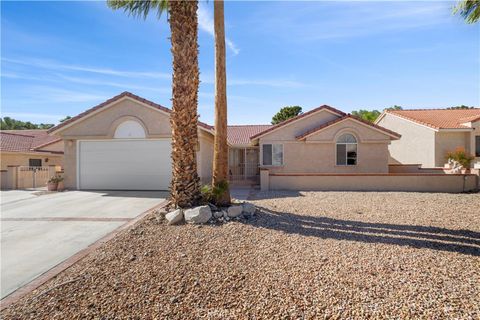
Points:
(469, 9)
(185, 185)
(220, 156)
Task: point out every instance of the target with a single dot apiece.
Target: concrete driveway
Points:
(39, 231)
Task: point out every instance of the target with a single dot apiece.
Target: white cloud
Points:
(279, 83)
(205, 23)
(34, 117)
(52, 65)
(349, 19)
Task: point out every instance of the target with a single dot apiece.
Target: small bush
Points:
(213, 194)
(461, 156)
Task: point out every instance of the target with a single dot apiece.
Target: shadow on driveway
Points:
(434, 238)
(131, 194)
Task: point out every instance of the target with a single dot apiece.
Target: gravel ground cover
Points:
(306, 255)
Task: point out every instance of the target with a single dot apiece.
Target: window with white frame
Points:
(272, 154)
(346, 150)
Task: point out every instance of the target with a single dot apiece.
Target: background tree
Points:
(367, 115)
(395, 107)
(66, 118)
(469, 10)
(220, 155)
(8, 123)
(286, 113)
(460, 107)
(185, 185)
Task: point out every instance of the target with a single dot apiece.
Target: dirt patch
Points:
(306, 255)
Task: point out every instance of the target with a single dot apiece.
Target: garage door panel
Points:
(125, 164)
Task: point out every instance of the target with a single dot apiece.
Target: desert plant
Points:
(214, 194)
(461, 156)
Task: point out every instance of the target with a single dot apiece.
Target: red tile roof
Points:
(240, 134)
(281, 124)
(439, 118)
(25, 140)
(116, 98)
(348, 116)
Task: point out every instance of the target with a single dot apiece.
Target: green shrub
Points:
(213, 194)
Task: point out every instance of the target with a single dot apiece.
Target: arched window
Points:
(346, 150)
(129, 129)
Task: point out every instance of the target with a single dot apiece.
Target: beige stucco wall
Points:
(290, 131)
(476, 132)
(417, 144)
(317, 154)
(102, 125)
(21, 159)
(57, 146)
(449, 141)
(205, 157)
(412, 183)
(70, 164)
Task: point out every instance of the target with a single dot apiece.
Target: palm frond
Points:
(468, 9)
(139, 8)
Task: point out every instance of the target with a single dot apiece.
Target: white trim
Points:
(300, 118)
(77, 156)
(456, 130)
(355, 120)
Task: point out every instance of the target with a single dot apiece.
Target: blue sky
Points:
(60, 58)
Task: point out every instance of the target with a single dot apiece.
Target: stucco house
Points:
(124, 143)
(427, 135)
(29, 148)
(27, 151)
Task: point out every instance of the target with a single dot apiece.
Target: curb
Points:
(54, 271)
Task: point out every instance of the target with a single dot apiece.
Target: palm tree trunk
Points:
(220, 157)
(185, 186)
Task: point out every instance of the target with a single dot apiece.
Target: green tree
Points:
(395, 107)
(7, 123)
(460, 107)
(469, 10)
(286, 113)
(367, 115)
(182, 16)
(66, 118)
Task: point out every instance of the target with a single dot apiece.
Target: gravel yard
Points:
(305, 255)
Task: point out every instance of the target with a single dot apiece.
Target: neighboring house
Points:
(28, 158)
(34, 148)
(427, 135)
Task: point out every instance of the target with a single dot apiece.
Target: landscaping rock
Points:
(218, 214)
(234, 211)
(174, 217)
(198, 215)
(249, 209)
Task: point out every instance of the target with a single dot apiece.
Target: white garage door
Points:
(124, 164)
